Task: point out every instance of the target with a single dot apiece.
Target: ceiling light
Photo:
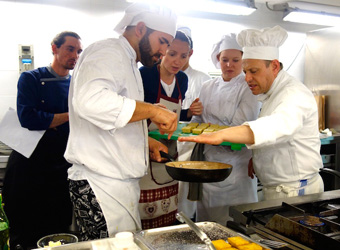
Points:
(232, 7)
(311, 13)
(318, 18)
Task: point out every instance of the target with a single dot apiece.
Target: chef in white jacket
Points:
(108, 143)
(227, 100)
(285, 138)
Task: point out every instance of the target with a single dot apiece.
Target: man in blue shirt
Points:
(36, 188)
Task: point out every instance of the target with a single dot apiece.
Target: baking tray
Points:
(178, 133)
(182, 237)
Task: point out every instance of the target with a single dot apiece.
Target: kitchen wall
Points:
(36, 22)
(322, 71)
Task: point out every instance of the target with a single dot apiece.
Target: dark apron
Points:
(36, 192)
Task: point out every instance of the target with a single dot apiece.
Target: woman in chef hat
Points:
(227, 100)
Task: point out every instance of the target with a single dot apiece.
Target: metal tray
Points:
(182, 237)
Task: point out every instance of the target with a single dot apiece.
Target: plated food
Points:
(196, 128)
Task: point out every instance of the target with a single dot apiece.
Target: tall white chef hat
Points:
(155, 17)
(262, 44)
(227, 42)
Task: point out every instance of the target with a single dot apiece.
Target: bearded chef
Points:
(285, 138)
(108, 143)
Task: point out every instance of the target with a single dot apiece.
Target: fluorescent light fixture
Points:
(232, 7)
(320, 14)
(313, 18)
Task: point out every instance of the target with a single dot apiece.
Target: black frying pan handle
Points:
(165, 155)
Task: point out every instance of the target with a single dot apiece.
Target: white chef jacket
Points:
(287, 143)
(227, 103)
(103, 147)
(195, 83)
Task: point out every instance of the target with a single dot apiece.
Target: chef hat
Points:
(185, 30)
(155, 17)
(227, 42)
(262, 44)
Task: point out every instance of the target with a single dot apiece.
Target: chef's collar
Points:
(275, 84)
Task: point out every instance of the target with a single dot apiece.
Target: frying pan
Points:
(197, 171)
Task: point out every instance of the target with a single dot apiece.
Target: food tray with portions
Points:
(182, 237)
(178, 133)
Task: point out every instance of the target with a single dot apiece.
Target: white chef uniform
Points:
(106, 150)
(287, 144)
(227, 103)
(103, 101)
(286, 152)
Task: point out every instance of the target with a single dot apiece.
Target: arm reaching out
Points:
(238, 134)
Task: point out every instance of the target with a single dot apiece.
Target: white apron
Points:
(227, 103)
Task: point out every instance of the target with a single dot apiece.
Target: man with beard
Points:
(36, 188)
(108, 143)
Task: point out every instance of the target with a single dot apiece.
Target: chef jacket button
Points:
(42, 83)
(42, 101)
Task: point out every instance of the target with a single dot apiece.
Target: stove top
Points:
(307, 222)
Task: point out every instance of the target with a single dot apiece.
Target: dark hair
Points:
(268, 62)
(183, 37)
(59, 39)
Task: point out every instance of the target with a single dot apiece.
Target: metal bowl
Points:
(64, 238)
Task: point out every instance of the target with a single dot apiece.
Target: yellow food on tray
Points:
(221, 245)
(214, 126)
(208, 130)
(197, 131)
(203, 125)
(193, 124)
(187, 130)
(237, 241)
(251, 246)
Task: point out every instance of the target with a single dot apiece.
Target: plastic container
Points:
(125, 241)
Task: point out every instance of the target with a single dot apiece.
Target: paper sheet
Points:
(18, 138)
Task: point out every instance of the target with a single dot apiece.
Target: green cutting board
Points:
(178, 133)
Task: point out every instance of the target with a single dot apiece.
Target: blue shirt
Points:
(41, 94)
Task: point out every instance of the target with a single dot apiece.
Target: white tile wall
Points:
(36, 24)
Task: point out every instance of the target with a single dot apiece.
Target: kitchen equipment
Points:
(184, 219)
(198, 171)
(63, 238)
(183, 237)
(285, 220)
(250, 232)
(167, 156)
